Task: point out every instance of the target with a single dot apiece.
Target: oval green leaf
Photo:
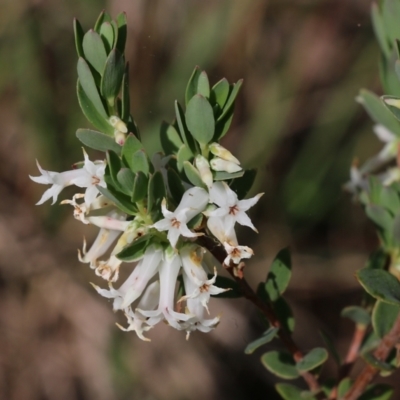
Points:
(94, 50)
(357, 314)
(312, 360)
(281, 364)
(279, 275)
(264, 339)
(112, 76)
(97, 140)
(384, 316)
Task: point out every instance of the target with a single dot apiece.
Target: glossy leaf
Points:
(79, 34)
(193, 175)
(107, 35)
(219, 93)
(183, 130)
(380, 284)
(290, 392)
(279, 275)
(122, 32)
(313, 359)
(89, 87)
(112, 76)
(91, 113)
(140, 186)
(264, 339)
(378, 111)
(97, 140)
(94, 50)
(130, 147)
(134, 251)
(384, 316)
(357, 314)
(126, 179)
(170, 139)
(281, 364)
(120, 200)
(200, 119)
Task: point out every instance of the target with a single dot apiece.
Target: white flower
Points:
(192, 257)
(149, 301)
(357, 181)
(193, 202)
(223, 153)
(231, 209)
(203, 167)
(89, 176)
(219, 164)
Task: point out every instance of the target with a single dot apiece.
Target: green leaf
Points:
(222, 125)
(94, 50)
(193, 175)
(156, 191)
(185, 134)
(375, 107)
(78, 33)
(393, 104)
(331, 347)
(97, 140)
(135, 251)
(225, 176)
(89, 87)
(279, 275)
(284, 313)
(175, 185)
(184, 154)
(226, 283)
(203, 86)
(384, 316)
(264, 339)
(370, 342)
(140, 186)
(242, 185)
(344, 387)
(120, 200)
(126, 179)
(396, 228)
(380, 284)
(379, 28)
(381, 365)
(191, 88)
(170, 139)
(219, 93)
(231, 99)
(130, 147)
(114, 165)
(379, 216)
(200, 119)
(91, 113)
(112, 76)
(125, 101)
(357, 314)
(140, 162)
(107, 35)
(103, 17)
(389, 199)
(290, 392)
(281, 364)
(313, 359)
(378, 391)
(377, 260)
(196, 222)
(122, 32)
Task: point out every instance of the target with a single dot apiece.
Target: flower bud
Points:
(223, 153)
(118, 124)
(119, 137)
(203, 167)
(218, 164)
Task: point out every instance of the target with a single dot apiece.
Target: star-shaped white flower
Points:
(231, 209)
(89, 176)
(193, 202)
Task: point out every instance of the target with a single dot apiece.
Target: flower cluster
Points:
(156, 214)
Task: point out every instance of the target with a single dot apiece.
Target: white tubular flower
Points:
(134, 286)
(136, 321)
(169, 271)
(192, 257)
(231, 209)
(223, 153)
(89, 176)
(193, 202)
(195, 312)
(219, 164)
(357, 181)
(203, 167)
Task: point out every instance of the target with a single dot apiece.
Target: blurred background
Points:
(303, 62)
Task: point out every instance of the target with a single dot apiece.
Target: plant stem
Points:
(369, 372)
